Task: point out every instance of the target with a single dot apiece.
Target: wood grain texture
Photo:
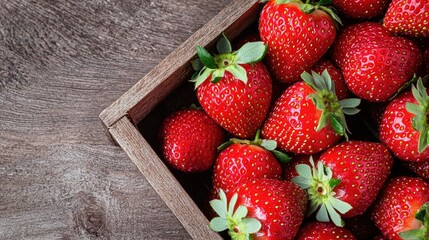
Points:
(62, 63)
(156, 172)
(176, 68)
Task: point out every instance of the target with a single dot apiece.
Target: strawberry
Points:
(266, 209)
(245, 160)
(400, 208)
(300, 117)
(361, 9)
(189, 140)
(289, 171)
(323, 231)
(346, 179)
(298, 34)
(340, 86)
(404, 127)
(408, 17)
(234, 88)
(380, 237)
(419, 168)
(374, 63)
(361, 226)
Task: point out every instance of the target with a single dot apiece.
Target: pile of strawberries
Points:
(293, 168)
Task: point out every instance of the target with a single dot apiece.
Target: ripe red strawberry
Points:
(374, 64)
(245, 160)
(274, 209)
(419, 168)
(361, 226)
(340, 86)
(404, 127)
(189, 140)
(408, 17)
(234, 88)
(323, 231)
(395, 210)
(298, 34)
(300, 117)
(346, 179)
(289, 171)
(361, 9)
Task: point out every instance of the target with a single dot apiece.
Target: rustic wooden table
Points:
(61, 63)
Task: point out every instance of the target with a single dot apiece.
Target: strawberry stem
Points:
(327, 101)
(232, 219)
(320, 185)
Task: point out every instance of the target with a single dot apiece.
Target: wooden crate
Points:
(133, 120)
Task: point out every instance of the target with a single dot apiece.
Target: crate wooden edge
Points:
(141, 98)
(162, 180)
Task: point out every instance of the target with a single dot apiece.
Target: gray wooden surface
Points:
(61, 63)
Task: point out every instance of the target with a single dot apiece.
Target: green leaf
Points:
(334, 216)
(203, 77)
(270, 145)
(340, 205)
(252, 225)
(330, 84)
(415, 234)
(332, 14)
(350, 102)
(224, 145)
(206, 58)
(302, 182)
(281, 156)
(238, 72)
(307, 78)
(232, 203)
(307, 8)
(320, 82)
(337, 125)
(219, 207)
(251, 52)
(323, 121)
(217, 75)
(351, 111)
(304, 170)
(413, 108)
(313, 206)
(334, 182)
(423, 140)
(197, 65)
(322, 214)
(218, 224)
(240, 213)
(224, 45)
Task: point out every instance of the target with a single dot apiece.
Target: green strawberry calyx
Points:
(234, 220)
(420, 112)
(269, 145)
(320, 184)
(211, 67)
(421, 233)
(325, 99)
(309, 6)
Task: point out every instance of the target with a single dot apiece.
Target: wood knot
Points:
(89, 215)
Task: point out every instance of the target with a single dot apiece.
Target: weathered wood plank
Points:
(175, 69)
(79, 192)
(61, 63)
(155, 171)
